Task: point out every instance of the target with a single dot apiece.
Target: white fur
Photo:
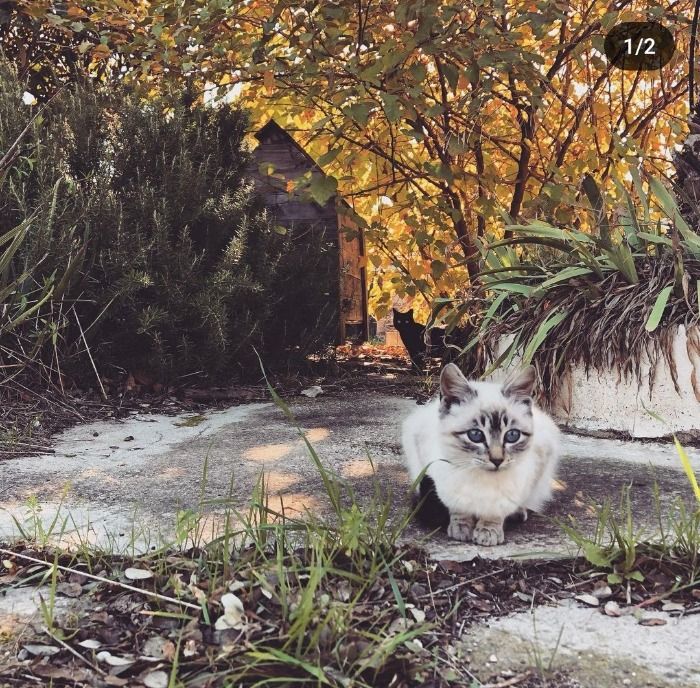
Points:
(467, 483)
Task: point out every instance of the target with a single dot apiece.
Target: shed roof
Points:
(272, 133)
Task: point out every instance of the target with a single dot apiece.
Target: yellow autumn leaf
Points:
(268, 80)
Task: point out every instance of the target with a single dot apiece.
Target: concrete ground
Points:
(122, 483)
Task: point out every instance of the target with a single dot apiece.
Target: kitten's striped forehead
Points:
(494, 420)
(495, 415)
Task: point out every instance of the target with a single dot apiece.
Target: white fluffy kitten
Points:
(489, 451)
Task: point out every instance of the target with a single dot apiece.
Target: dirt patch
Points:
(434, 603)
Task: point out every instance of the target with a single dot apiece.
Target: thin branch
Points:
(102, 579)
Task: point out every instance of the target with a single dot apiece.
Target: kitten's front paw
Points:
(461, 528)
(488, 534)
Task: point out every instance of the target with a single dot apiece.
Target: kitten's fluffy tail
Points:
(430, 511)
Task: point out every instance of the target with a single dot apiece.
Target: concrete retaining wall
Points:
(605, 402)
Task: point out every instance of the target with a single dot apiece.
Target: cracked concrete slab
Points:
(125, 481)
(599, 650)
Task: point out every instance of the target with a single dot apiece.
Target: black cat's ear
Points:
(410, 312)
(454, 388)
(520, 385)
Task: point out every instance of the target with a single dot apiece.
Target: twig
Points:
(101, 579)
(459, 585)
(510, 682)
(77, 654)
(87, 348)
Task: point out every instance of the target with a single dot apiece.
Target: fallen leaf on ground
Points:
(114, 660)
(672, 607)
(41, 650)
(90, 644)
(612, 609)
(602, 591)
(159, 648)
(69, 589)
(652, 621)
(233, 616)
(156, 679)
(588, 599)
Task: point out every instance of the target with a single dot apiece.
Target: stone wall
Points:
(607, 403)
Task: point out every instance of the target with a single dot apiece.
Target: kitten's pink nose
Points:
(496, 461)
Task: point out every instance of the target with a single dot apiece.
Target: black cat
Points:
(411, 335)
(413, 338)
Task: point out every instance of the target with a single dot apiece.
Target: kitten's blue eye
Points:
(476, 435)
(512, 436)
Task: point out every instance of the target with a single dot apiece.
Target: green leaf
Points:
(322, 188)
(596, 555)
(328, 157)
(505, 358)
(438, 269)
(274, 653)
(655, 239)
(400, 604)
(542, 331)
(595, 198)
(451, 75)
(540, 229)
(670, 207)
(512, 287)
(359, 113)
(629, 220)
(494, 307)
(17, 235)
(279, 229)
(622, 258)
(658, 310)
(639, 187)
(565, 274)
(391, 106)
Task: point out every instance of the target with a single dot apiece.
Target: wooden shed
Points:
(279, 160)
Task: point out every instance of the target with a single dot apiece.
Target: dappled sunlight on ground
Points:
(295, 503)
(172, 472)
(317, 434)
(47, 490)
(358, 468)
(268, 452)
(274, 452)
(279, 481)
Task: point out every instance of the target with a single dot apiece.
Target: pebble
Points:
(493, 659)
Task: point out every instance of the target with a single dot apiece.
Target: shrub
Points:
(175, 267)
(627, 286)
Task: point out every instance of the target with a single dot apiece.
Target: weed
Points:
(543, 665)
(616, 545)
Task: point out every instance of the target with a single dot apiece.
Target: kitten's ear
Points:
(454, 387)
(410, 312)
(520, 385)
